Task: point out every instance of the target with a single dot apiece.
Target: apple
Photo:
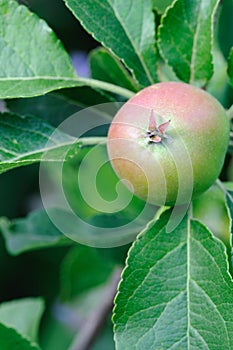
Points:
(168, 142)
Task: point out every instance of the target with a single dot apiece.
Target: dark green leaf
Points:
(210, 208)
(160, 6)
(230, 66)
(229, 199)
(126, 28)
(186, 39)
(23, 315)
(176, 291)
(106, 67)
(57, 106)
(11, 340)
(33, 232)
(83, 269)
(56, 334)
(218, 85)
(24, 139)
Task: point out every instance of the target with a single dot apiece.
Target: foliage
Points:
(176, 289)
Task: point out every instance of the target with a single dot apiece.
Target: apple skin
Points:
(188, 159)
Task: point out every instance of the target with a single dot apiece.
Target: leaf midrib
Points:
(132, 43)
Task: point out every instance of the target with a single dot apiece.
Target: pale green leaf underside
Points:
(24, 139)
(10, 339)
(230, 66)
(36, 231)
(186, 39)
(33, 60)
(126, 27)
(176, 292)
(23, 315)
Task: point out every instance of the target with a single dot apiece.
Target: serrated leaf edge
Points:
(137, 241)
(191, 63)
(32, 344)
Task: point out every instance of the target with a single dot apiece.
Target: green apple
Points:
(168, 142)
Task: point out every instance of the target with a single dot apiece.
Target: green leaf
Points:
(24, 139)
(229, 200)
(10, 339)
(23, 315)
(126, 28)
(218, 85)
(83, 269)
(106, 67)
(36, 231)
(230, 66)
(33, 60)
(186, 39)
(57, 106)
(160, 6)
(211, 209)
(176, 291)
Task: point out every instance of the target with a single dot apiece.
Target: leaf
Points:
(229, 201)
(83, 269)
(23, 315)
(176, 291)
(24, 139)
(211, 209)
(218, 84)
(126, 28)
(93, 198)
(33, 60)
(230, 66)
(10, 339)
(160, 6)
(106, 67)
(57, 106)
(52, 107)
(36, 231)
(188, 48)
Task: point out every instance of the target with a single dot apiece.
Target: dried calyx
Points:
(156, 134)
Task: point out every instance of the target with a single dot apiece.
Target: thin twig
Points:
(90, 329)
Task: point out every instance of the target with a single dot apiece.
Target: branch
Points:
(90, 329)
